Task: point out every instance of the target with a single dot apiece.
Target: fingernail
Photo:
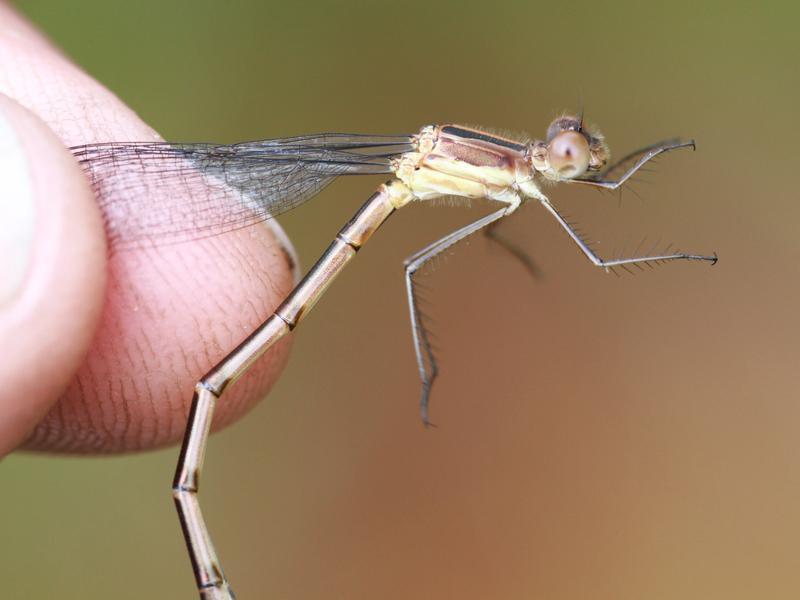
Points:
(17, 213)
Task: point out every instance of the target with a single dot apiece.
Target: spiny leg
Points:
(641, 156)
(492, 232)
(619, 262)
(211, 581)
(422, 347)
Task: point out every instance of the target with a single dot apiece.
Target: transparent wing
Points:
(152, 194)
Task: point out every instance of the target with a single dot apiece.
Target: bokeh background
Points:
(599, 437)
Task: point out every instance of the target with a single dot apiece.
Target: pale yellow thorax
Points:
(451, 160)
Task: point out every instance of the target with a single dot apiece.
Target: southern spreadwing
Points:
(233, 186)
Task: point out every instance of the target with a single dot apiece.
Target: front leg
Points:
(642, 156)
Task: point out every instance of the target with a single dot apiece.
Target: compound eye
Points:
(569, 154)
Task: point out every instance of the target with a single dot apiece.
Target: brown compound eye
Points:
(569, 154)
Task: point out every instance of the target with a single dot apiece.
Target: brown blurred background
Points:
(600, 437)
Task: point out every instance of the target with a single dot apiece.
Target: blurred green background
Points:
(600, 437)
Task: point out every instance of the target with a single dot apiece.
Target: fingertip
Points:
(168, 314)
(171, 313)
(52, 261)
(287, 248)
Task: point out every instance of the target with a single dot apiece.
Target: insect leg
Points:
(621, 262)
(492, 232)
(426, 361)
(641, 156)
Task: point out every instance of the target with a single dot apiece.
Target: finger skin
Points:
(47, 327)
(169, 313)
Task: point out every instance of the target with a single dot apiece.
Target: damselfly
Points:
(160, 193)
